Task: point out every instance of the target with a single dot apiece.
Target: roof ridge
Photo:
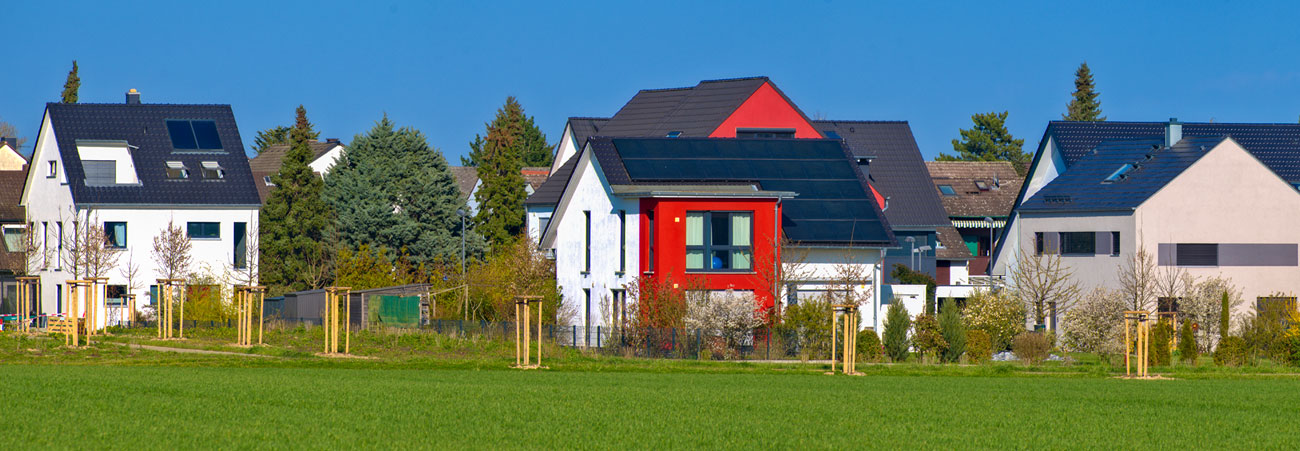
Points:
(718, 80)
(135, 104)
(588, 118)
(1287, 124)
(863, 121)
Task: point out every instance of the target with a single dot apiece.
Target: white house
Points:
(267, 163)
(132, 169)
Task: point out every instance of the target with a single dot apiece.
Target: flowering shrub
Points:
(1095, 323)
(978, 347)
(727, 315)
(1001, 316)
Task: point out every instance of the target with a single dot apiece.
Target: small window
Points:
(542, 222)
(115, 232)
(194, 135)
(177, 170)
(674, 134)
(719, 241)
(115, 294)
(267, 180)
(241, 245)
(947, 190)
(1114, 243)
(650, 247)
(770, 133)
(204, 230)
(831, 134)
(622, 241)
(213, 171)
(981, 185)
(54, 169)
(14, 239)
(1078, 243)
(1196, 254)
(587, 259)
(1119, 174)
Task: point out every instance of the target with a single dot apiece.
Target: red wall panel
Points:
(766, 108)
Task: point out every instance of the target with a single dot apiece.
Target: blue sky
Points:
(445, 68)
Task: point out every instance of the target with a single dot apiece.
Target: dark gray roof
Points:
(551, 190)
(1083, 186)
(268, 163)
(143, 126)
(833, 204)
(898, 171)
(695, 111)
(585, 127)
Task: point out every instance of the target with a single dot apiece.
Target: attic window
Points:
(267, 179)
(674, 134)
(981, 185)
(177, 170)
(54, 169)
(212, 170)
(831, 134)
(1119, 174)
(194, 135)
(947, 190)
(765, 133)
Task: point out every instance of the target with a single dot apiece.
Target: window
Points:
(212, 170)
(204, 230)
(542, 222)
(193, 135)
(831, 134)
(54, 169)
(650, 221)
(1188, 254)
(14, 239)
(177, 170)
(45, 244)
(718, 240)
(58, 298)
(241, 245)
(1167, 304)
(115, 294)
(586, 329)
(1038, 243)
(587, 258)
(1078, 243)
(115, 232)
(947, 190)
(674, 134)
(1119, 174)
(58, 257)
(765, 133)
(1114, 243)
(267, 180)
(622, 241)
(100, 172)
(981, 185)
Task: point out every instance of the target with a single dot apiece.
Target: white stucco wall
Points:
(816, 268)
(1049, 166)
(10, 159)
(325, 162)
(565, 149)
(535, 215)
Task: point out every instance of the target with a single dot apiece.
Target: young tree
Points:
(1043, 284)
(989, 140)
(275, 135)
(897, 323)
(295, 222)
(171, 252)
(954, 332)
(1137, 280)
(248, 274)
(86, 251)
(1225, 316)
(72, 85)
(501, 196)
(391, 189)
(1084, 105)
(532, 146)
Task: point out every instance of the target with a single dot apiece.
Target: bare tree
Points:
(171, 251)
(34, 255)
(247, 275)
(1138, 280)
(1173, 282)
(780, 270)
(847, 284)
(87, 252)
(1043, 284)
(8, 130)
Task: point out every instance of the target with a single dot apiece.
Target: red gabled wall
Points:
(766, 108)
(670, 243)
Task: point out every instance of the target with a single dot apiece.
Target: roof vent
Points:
(133, 97)
(332, 141)
(1173, 132)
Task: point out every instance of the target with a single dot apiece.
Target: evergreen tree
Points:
(71, 86)
(275, 135)
(531, 145)
(1084, 106)
(295, 221)
(391, 189)
(989, 140)
(1225, 317)
(500, 159)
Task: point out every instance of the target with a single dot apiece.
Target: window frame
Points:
(709, 248)
(1114, 244)
(622, 242)
(1040, 243)
(239, 249)
(54, 169)
(949, 192)
(189, 230)
(587, 243)
(1065, 244)
(108, 236)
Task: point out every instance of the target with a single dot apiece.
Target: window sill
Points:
(205, 239)
(585, 273)
(719, 271)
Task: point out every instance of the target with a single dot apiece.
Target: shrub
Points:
(869, 347)
(1231, 352)
(808, 324)
(954, 332)
(979, 348)
(1001, 316)
(1264, 334)
(1187, 350)
(897, 323)
(927, 337)
(729, 315)
(1160, 342)
(1095, 324)
(1030, 347)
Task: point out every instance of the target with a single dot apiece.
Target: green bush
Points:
(897, 323)
(869, 347)
(1002, 316)
(809, 323)
(979, 348)
(1225, 316)
(954, 332)
(1158, 347)
(1030, 347)
(1231, 352)
(927, 337)
(1187, 351)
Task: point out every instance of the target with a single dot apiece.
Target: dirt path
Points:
(184, 350)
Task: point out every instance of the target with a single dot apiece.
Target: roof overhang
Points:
(738, 191)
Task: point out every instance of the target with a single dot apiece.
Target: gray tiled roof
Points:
(268, 163)
(898, 170)
(466, 177)
(586, 127)
(695, 111)
(143, 126)
(968, 200)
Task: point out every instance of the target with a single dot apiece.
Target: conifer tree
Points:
(500, 158)
(1084, 106)
(531, 146)
(71, 86)
(989, 140)
(295, 222)
(275, 135)
(391, 189)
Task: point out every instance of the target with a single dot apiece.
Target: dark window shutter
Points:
(1053, 243)
(100, 173)
(1103, 243)
(1197, 254)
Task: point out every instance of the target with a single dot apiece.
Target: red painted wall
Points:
(766, 108)
(670, 243)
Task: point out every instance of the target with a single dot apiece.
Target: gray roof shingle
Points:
(1083, 186)
(695, 111)
(898, 171)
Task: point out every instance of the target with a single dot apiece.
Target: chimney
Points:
(132, 97)
(1173, 132)
(11, 142)
(331, 140)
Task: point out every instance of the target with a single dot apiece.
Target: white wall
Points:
(816, 268)
(535, 215)
(10, 159)
(566, 149)
(326, 161)
(1050, 165)
(120, 154)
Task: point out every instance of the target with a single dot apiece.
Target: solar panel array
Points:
(1084, 185)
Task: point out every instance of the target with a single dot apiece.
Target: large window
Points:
(1197, 254)
(241, 245)
(1114, 243)
(115, 232)
(1078, 243)
(204, 230)
(719, 241)
(765, 133)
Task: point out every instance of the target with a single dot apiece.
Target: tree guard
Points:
(27, 285)
(246, 297)
(523, 332)
(849, 336)
(1139, 323)
(330, 320)
(168, 305)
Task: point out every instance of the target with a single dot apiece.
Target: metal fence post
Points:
(597, 336)
(575, 335)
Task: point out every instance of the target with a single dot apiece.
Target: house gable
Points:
(766, 108)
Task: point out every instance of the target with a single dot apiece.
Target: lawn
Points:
(216, 405)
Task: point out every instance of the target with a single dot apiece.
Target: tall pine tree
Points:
(71, 86)
(989, 140)
(391, 189)
(295, 222)
(499, 160)
(531, 144)
(275, 135)
(1084, 106)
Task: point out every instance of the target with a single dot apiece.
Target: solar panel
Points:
(205, 132)
(182, 135)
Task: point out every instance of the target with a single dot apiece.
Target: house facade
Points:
(267, 163)
(972, 192)
(132, 169)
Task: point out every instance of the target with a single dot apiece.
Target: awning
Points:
(978, 223)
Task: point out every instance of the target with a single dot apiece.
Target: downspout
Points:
(776, 251)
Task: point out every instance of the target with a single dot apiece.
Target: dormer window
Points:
(267, 179)
(213, 170)
(194, 135)
(177, 170)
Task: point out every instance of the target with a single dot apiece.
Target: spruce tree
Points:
(500, 158)
(1084, 106)
(275, 135)
(531, 145)
(295, 222)
(989, 140)
(391, 189)
(71, 86)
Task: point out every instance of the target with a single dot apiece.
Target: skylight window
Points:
(177, 170)
(674, 134)
(1119, 174)
(947, 190)
(213, 170)
(194, 135)
(981, 185)
(267, 179)
(831, 134)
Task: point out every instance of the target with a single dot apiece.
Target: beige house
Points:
(1204, 204)
(10, 159)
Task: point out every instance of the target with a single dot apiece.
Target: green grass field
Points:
(109, 396)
